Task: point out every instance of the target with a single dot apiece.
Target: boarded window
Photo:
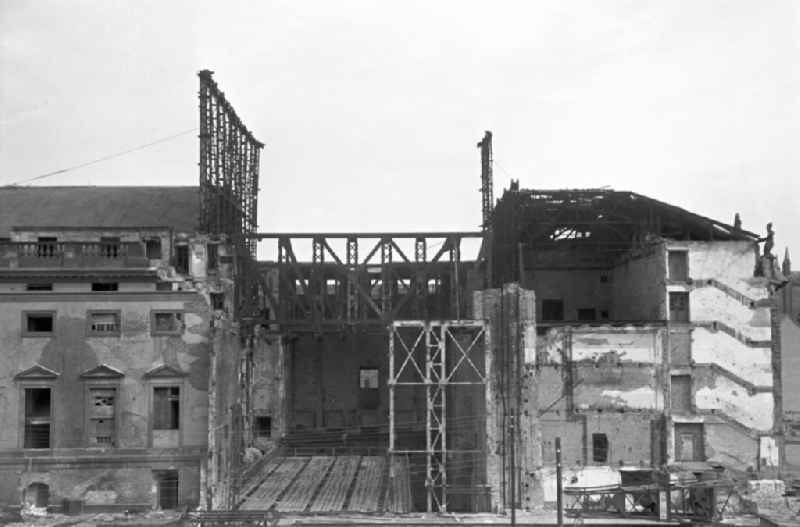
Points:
(167, 322)
(166, 408)
(587, 314)
(104, 322)
(213, 257)
(182, 259)
(681, 394)
(689, 442)
(368, 388)
(167, 484)
(105, 286)
(39, 322)
(37, 418)
(680, 343)
(552, 309)
(102, 430)
(679, 307)
(678, 265)
(262, 426)
(153, 248)
(599, 448)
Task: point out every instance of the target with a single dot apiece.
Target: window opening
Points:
(166, 408)
(678, 264)
(105, 286)
(167, 322)
(39, 287)
(104, 322)
(552, 309)
(368, 388)
(182, 259)
(37, 418)
(39, 323)
(167, 483)
(110, 247)
(213, 256)
(679, 307)
(262, 427)
(153, 248)
(599, 448)
(46, 247)
(587, 314)
(102, 402)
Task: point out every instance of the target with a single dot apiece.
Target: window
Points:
(101, 411)
(39, 287)
(599, 448)
(105, 286)
(434, 286)
(35, 324)
(217, 301)
(163, 286)
(104, 322)
(587, 314)
(678, 264)
(689, 442)
(213, 257)
(552, 310)
(262, 426)
(166, 408)
(679, 307)
(182, 259)
(368, 388)
(167, 323)
(167, 485)
(37, 418)
(604, 315)
(152, 247)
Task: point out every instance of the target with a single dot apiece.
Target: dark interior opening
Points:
(37, 418)
(39, 322)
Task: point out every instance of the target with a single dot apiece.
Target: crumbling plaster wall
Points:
(268, 389)
(750, 363)
(71, 352)
(730, 262)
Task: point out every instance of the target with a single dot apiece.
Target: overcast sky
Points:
(370, 111)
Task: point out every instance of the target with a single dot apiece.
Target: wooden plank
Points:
(398, 491)
(277, 482)
(333, 493)
(367, 490)
(302, 490)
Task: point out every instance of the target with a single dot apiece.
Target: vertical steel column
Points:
(317, 285)
(352, 279)
(455, 261)
(421, 279)
(391, 383)
(386, 278)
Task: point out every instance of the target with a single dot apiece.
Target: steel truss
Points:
(428, 354)
(371, 281)
(229, 161)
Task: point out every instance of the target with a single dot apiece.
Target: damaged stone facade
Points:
(110, 338)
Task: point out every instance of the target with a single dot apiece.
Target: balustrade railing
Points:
(72, 254)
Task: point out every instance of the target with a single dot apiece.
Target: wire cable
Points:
(104, 158)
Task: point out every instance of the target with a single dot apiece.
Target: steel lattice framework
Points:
(229, 161)
(429, 354)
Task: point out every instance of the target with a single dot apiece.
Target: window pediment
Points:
(164, 371)
(35, 373)
(103, 371)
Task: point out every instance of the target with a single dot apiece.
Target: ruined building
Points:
(149, 360)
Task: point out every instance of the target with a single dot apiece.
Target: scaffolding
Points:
(439, 356)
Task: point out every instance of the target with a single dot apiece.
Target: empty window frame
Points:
(600, 448)
(678, 265)
(105, 286)
(182, 259)
(217, 301)
(587, 314)
(166, 407)
(262, 426)
(104, 322)
(212, 256)
(167, 485)
(689, 442)
(368, 380)
(152, 247)
(38, 416)
(39, 287)
(38, 323)
(679, 306)
(102, 417)
(167, 323)
(552, 310)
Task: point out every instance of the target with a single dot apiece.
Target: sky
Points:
(371, 111)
